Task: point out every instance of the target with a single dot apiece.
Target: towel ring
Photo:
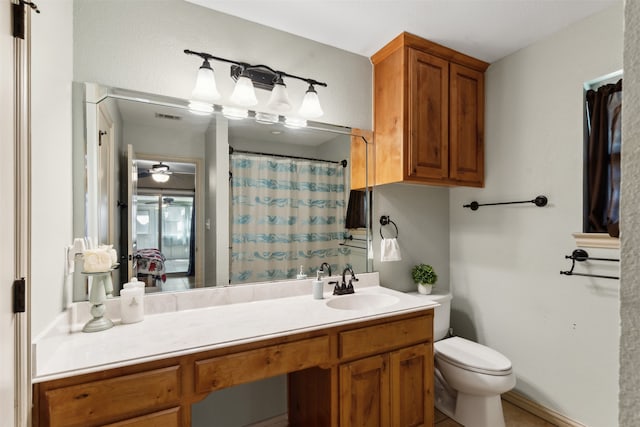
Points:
(384, 220)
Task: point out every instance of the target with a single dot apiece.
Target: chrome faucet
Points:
(344, 288)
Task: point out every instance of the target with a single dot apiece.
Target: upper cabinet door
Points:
(466, 144)
(428, 103)
(428, 116)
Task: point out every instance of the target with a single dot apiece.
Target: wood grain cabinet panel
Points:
(412, 386)
(99, 402)
(246, 366)
(467, 125)
(364, 393)
(167, 418)
(428, 114)
(380, 338)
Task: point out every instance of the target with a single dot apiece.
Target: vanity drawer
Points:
(380, 338)
(246, 366)
(98, 402)
(167, 418)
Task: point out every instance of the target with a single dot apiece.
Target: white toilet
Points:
(469, 377)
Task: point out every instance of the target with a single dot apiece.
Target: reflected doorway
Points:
(164, 225)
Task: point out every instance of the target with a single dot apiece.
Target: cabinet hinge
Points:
(17, 12)
(19, 295)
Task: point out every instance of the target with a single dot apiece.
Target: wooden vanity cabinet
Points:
(428, 114)
(375, 372)
(392, 388)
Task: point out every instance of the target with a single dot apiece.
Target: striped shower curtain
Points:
(286, 213)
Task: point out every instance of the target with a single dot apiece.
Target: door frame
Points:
(15, 220)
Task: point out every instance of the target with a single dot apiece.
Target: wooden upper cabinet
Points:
(466, 140)
(428, 114)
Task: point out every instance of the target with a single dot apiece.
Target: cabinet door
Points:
(467, 126)
(364, 393)
(428, 155)
(412, 386)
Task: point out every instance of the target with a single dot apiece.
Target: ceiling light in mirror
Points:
(295, 122)
(235, 113)
(267, 118)
(160, 177)
(200, 108)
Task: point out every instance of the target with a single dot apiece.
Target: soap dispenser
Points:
(317, 287)
(132, 302)
(301, 274)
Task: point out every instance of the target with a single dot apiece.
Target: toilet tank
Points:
(442, 314)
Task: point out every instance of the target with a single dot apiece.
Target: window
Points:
(603, 137)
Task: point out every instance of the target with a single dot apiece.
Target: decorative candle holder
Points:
(100, 286)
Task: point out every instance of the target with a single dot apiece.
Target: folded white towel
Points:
(389, 250)
(96, 260)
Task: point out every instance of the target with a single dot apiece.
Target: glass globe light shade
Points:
(205, 90)
(160, 177)
(279, 100)
(243, 93)
(310, 107)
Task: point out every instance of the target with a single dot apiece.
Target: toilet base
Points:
(479, 411)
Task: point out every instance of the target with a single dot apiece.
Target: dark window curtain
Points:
(603, 158)
(357, 210)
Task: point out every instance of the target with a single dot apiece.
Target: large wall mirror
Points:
(191, 200)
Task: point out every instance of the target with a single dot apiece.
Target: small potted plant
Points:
(425, 277)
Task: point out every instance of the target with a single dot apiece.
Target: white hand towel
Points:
(389, 250)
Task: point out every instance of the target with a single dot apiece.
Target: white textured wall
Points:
(51, 198)
(561, 333)
(139, 45)
(629, 291)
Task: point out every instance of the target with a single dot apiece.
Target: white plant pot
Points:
(424, 289)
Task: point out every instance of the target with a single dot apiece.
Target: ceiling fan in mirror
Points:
(159, 172)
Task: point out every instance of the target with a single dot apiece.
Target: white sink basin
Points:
(361, 301)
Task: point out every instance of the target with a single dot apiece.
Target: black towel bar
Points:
(581, 255)
(539, 201)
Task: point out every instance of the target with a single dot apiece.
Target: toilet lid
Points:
(472, 356)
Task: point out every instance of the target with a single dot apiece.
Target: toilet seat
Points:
(472, 356)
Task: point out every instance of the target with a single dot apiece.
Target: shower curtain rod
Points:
(341, 162)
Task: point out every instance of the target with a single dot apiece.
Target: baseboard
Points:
(278, 421)
(540, 411)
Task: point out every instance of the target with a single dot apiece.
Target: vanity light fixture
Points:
(310, 107)
(248, 77)
(205, 92)
(279, 99)
(244, 94)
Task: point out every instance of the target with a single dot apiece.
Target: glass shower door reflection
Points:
(176, 232)
(164, 222)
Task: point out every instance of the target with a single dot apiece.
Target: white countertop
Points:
(183, 332)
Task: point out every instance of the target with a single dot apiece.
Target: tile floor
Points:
(513, 417)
